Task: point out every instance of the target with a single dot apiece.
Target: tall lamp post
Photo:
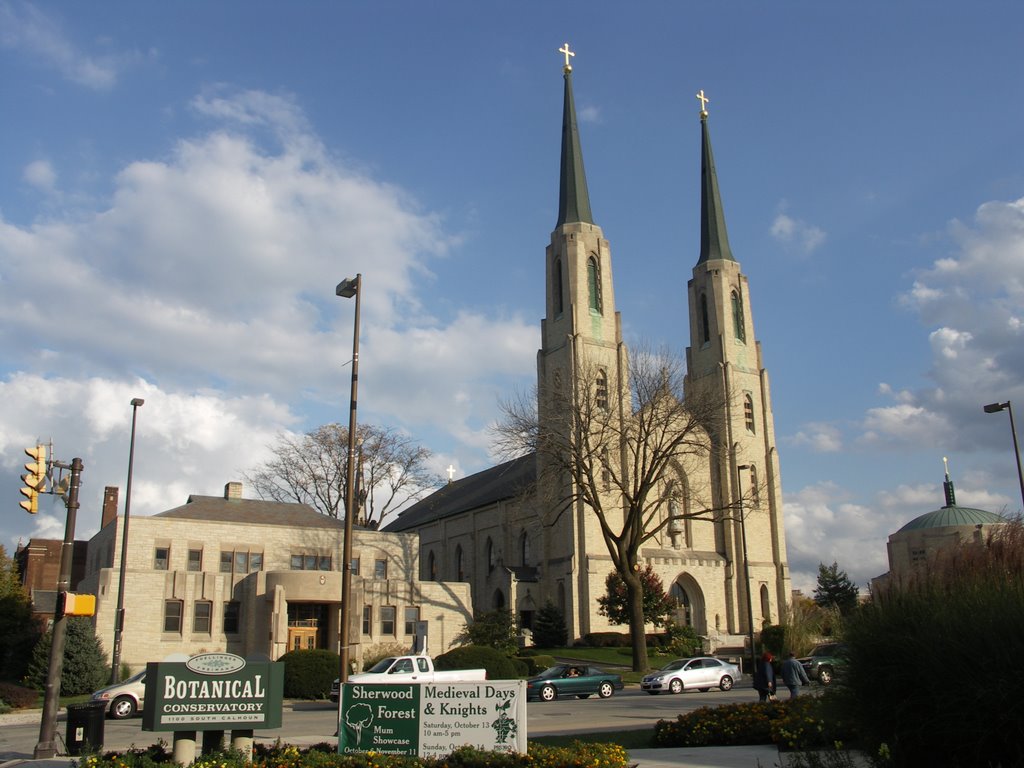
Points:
(348, 288)
(996, 408)
(115, 657)
(746, 565)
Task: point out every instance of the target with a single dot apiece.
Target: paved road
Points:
(312, 722)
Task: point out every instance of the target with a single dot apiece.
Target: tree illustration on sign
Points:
(357, 717)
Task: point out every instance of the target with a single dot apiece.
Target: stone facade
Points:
(255, 577)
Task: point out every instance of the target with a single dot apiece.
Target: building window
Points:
(755, 490)
(311, 562)
(387, 620)
(601, 390)
(737, 316)
(231, 613)
(412, 618)
(748, 413)
(524, 549)
(431, 567)
(704, 329)
(195, 559)
(226, 559)
(490, 554)
(556, 284)
(355, 566)
(172, 616)
(161, 558)
(380, 570)
(594, 284)
(459, 572)
(766, 611)
(202, 613)
(367, 619)
(255, 561)
(241, 562)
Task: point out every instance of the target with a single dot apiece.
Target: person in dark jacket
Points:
(793, 675)
(764, 677)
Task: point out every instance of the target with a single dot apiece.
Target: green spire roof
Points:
(573, 198)
(714, 239)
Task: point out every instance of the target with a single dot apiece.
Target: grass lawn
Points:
(632, 739)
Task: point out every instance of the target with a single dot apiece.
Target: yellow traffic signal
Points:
(34, 478)
(79, 605)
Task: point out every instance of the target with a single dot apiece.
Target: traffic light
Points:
(34, 479)
(79, 605)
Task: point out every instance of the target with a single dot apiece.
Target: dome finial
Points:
(565, 49)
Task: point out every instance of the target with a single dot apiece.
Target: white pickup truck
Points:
(410, 669)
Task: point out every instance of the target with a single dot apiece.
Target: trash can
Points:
(85, 727)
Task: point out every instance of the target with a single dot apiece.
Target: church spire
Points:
(573, 198)
(714, 238)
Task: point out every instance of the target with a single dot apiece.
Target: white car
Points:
(124, 699)
(700, 672)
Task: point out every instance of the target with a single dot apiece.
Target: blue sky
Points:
(183, 184)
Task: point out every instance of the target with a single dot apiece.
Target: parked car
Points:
(700, 672)
(409, 669)
(579, 680)
(824, 662)
(124, 699)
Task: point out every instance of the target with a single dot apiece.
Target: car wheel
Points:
(725, 683)
(122, 708)
(605, 690)
(676, 686)
(825, 675)
(548, 693)
(582, 695)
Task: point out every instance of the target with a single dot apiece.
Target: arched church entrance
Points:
(689, 600)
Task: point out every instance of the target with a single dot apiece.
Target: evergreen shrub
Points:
(536, 663)
(607, 639)
(308, 674)
(85, 664)
(549, 630)
(498, 665)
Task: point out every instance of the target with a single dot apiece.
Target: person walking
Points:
(764, 677)
(793, 675)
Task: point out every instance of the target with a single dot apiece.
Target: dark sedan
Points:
(579, 680)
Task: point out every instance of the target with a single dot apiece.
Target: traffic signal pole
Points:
(47, 746)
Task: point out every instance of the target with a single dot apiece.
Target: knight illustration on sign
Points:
(504, 726)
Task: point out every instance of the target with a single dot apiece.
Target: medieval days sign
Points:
(432, 719)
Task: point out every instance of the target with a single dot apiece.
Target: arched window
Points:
(737, 316)
(594, 283)
(606, 471)
(601, 390)
(459, 572)
(561, 597)
(705, 330)
(755, 493)
(766, 609)
(556, 283)
(498, 599)
(524, 549)
(682, 600)
(748, 413)
(431, 567)
(490, 555)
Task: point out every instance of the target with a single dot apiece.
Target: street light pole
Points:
(746, 565)
(115, 656)
(995, 408)
(348, 288)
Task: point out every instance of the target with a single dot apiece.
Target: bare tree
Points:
(619, 457)
(312, 469)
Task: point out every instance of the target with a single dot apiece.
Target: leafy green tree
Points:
(549, 629)
(495, 629)
(835, 589)
(18, 632)
(85, 664)
(657, 605)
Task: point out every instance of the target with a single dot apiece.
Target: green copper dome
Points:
(950, 516)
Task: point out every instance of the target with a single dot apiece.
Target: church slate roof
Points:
(251, 512)
(505, 481)
(950, 516)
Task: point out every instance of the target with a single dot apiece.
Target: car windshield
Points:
(382, 665)
(553, 672)
(674, 665)
(824, 650)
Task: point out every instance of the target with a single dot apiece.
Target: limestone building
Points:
(496, 529)
(259, 577)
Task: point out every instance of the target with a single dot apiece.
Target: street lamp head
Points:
(347, 288)
(137, 401)
(996, 407)
(743, 466)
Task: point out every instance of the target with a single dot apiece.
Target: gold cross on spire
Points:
(703, 103)
(565, 49)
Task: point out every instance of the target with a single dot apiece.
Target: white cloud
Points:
(589, 114)
(819, 436)
(40, 174)
(29, 29)
(797, 234)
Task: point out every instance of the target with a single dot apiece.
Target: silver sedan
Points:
(700, 672)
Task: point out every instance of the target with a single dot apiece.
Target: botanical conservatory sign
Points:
(432, 720)
(213, 692)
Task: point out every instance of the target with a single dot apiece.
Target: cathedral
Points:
(725, 568)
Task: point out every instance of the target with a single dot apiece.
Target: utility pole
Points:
(47, 746)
